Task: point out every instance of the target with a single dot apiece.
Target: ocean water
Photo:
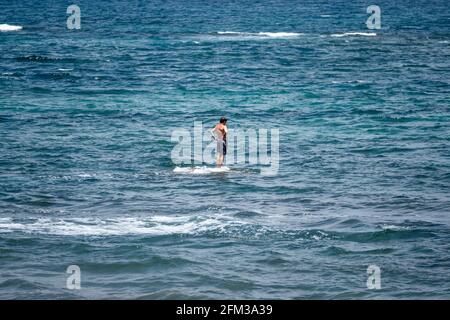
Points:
(86, 176)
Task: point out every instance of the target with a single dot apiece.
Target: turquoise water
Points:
(86, 177)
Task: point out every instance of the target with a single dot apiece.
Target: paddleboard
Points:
(201, 170)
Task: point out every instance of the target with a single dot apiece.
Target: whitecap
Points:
(349, 81)
(229, 32)
(118, 226)
(392, 227)
(280, 34)
(7, 27)
(352, 34)
(259, 35)
(7, 225)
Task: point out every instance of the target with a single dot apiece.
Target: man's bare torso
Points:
(221, 130)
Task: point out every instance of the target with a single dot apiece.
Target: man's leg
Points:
(219, 151)
(224, 152)
(218, 160)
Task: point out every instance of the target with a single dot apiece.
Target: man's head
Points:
(223, 120)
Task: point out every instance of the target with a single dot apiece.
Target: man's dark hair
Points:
(223, 120)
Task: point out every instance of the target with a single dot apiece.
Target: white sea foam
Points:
(201, 170)
(7, 27)
(259, 35)
(349, 81)
(280, 34)
(229, 32)
(7, 225)
(394, 227)
(152, 226)
(353, 34)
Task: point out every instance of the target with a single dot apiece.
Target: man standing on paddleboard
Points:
(219, 133)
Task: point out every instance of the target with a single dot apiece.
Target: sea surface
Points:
(87, 179)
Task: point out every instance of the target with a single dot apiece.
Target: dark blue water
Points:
(86, 176)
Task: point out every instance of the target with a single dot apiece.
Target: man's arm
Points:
(213, 130)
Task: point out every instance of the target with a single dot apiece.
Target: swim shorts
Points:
(222, 147)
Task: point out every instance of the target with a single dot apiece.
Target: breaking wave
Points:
(7, 27)
(258, 35)
(354, 34)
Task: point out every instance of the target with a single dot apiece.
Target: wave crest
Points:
(7, 27)
(152, 226)
(259, 35)
(353, 34)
